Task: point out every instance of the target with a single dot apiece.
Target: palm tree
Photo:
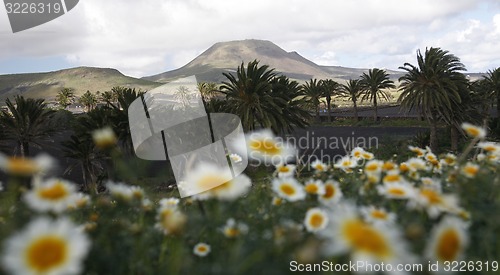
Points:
(107, 97)
(492, 79)
(89, 100)
(313, 92)
(352, 90)
(433, 87)
(331, 87)
(27, 121)
(87, 157)
(208, 90)
(248, 95)
(65, 97)
(373, 84)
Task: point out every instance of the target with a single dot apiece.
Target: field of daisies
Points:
(428, 214)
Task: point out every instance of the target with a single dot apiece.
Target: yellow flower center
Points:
(396, 191)
(319, 167)
(266, 146)
(432, 196)
(346, 163)
(388, 166)
(378, 214)
(471, 170)
(211, 181)
(367, 156)
(46, 253)
(329, 191)
(490, 148)
(287, 189)
(316, 220)
(371, 167)
(311, 188)
(448, 245)
(392, 178)
(357, 154)
(364, 237)
(231, 232)
(54, 193)
(284, 169)
(473, 131)
(403, 167)
(22, 166)
(449, 160)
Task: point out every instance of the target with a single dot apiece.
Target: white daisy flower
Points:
(373, 243)
(474, 131)
(489, 147)
(203, 177)
(316, 220)
(448, 241)
(389, 166)
(104, 138)
(373, 167)
(434, 202)
(169, 202)
(285, 170)
(431, 183)
(396, 190)
(373, 214)
(289, 189)
(319, 166)
(26, 167)
(170, 220)
(315, 187)
(357, 153)
(417, 164)
(332, 194)
(54, 195)
(46, 246)
(79, 200)
(201, 249)
(235, 158)
(417, 150)
(119, 191)
(230, 190)
(470, 170)
(449, 159)
(264, 146)
(233, 229)
(346, 163)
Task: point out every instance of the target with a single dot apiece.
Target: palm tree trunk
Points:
(356, 117)
(454, 138)
(433, 137)
(25, 149)
(329, 107)
(375, 114)
(318, 118)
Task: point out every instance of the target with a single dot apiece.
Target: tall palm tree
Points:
(352, 90)
(27, 121)
(313, 92)
(373, 85)
(248, 95)
(107, 97)
(65, 97)
(492, 79)
(433, 87)
(208, 90)
(331, 88)
(89, 100)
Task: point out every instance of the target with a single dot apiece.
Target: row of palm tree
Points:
(66, 96)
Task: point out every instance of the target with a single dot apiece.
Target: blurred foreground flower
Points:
(170, 220)
(285, 170)
(474, 131)
(54, 195)
(448, 240)
(104, 138)
(233, 229)
(203, 177)
(46, 247)
(264, 146)
(26, 167)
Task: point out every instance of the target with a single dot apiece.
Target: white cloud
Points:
(150, 36)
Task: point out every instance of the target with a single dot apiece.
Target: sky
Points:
(147, 37)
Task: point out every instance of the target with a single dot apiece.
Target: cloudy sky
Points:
(147, 37)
